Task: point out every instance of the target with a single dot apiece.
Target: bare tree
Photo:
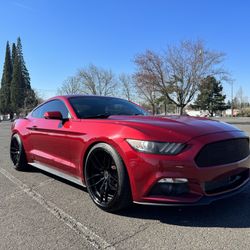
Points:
(127, 86)
(240, 98)
(147, 89)
(148, 76)
(97, 81)
(71, 86)
(177, 73)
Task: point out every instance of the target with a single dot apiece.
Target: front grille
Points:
(223, 152)
(227, 183)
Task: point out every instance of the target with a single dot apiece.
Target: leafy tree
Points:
(5, 107)
(210, 97)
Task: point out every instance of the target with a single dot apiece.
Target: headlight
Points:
(164, 148)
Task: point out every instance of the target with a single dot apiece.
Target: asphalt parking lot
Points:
(40, 211)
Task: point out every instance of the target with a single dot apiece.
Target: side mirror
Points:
(54, 115)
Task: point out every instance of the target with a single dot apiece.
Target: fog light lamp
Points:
(171, 187)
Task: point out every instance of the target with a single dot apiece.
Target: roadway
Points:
(40, 211)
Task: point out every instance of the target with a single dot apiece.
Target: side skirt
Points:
(57, 173)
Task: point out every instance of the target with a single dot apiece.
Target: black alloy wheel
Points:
(17, 153)
(106, 178)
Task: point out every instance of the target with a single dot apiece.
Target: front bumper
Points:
(205, 200)
(145, 171)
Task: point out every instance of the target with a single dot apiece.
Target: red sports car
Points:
(122, 154)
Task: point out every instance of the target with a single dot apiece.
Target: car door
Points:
(51, 139)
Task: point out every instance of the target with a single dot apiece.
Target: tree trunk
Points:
(11, 115)
(181, 109)
(153, 108)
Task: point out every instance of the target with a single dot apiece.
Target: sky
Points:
(60, 37)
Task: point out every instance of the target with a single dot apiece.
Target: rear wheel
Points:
(17, 153)
(106, 178)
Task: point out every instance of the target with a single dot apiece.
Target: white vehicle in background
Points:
(5, 117)
(198, 113)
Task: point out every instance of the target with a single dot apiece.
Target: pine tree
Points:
(20, 86)
(210, 97)
(17, 86)
(5, 106)
(13, 53)
(25, 72)
(16, 94)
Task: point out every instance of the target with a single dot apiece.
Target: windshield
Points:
(103, 107)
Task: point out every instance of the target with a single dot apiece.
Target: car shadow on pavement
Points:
(233, 212)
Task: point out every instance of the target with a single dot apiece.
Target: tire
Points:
(106, 178)
(17, 153)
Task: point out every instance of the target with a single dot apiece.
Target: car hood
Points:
(182, 126)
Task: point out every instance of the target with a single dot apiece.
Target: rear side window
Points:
(37, 113)
(54, 105)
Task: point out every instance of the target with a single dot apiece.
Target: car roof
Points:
(63, 97)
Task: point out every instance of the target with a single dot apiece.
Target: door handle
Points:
(34, 127)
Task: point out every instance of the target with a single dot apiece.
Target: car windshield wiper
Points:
(104, 115)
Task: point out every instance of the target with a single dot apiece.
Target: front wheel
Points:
(106, 178)
(17, 153)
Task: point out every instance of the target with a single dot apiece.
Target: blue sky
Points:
(60, 37)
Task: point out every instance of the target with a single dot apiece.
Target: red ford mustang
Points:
(121, 154)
